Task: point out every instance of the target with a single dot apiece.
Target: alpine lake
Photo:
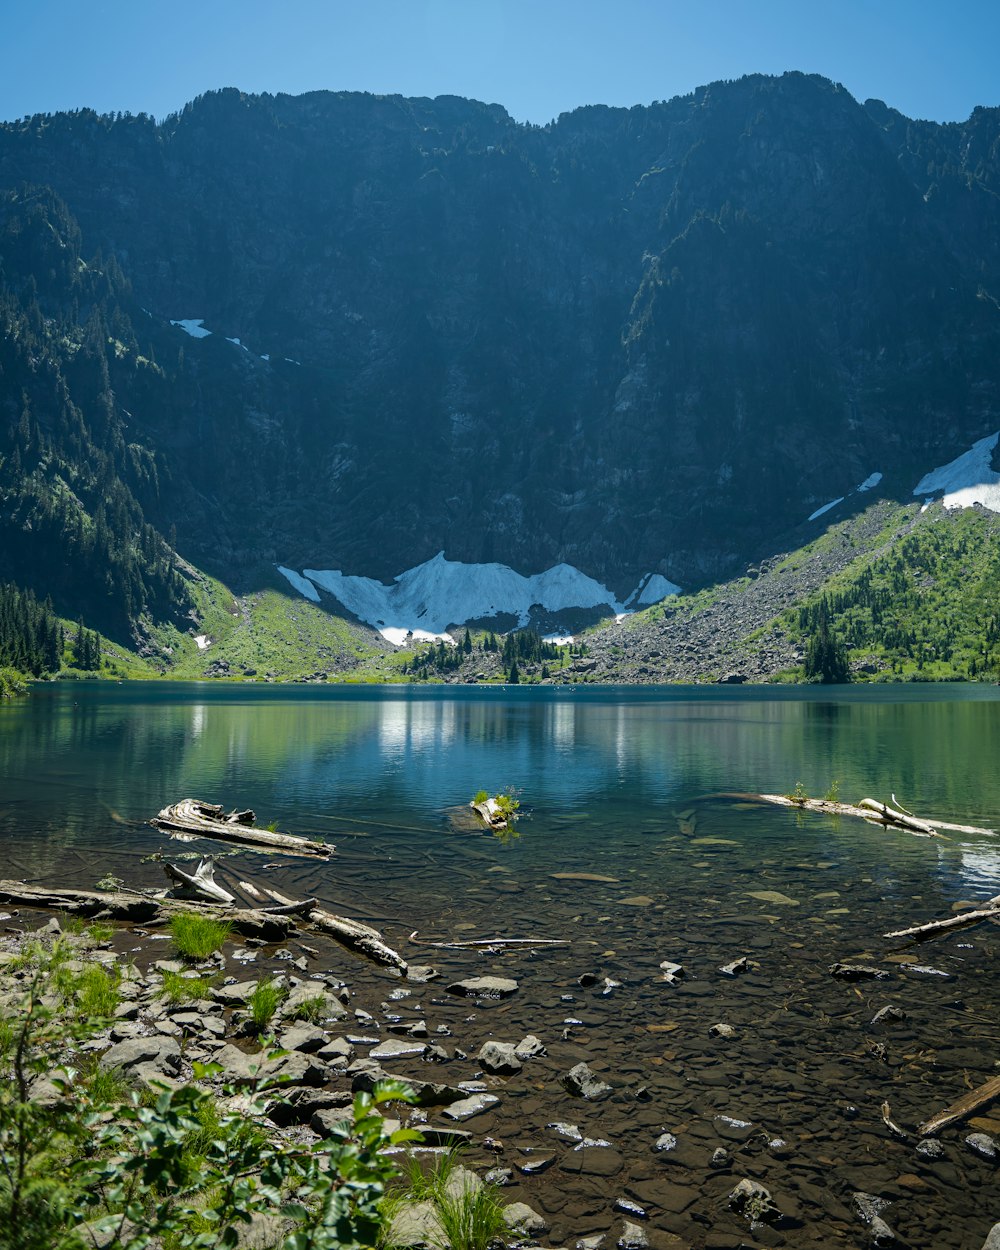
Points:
(640, 840)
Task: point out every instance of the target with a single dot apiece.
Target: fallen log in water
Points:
(965, 1106)
(350, 933)
(142, 908)
(990, 910)
(208, 820)
(866, 809)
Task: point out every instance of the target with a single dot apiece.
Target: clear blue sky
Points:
(538, 58)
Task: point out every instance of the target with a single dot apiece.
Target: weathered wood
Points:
(142, 908)
(489, 813)
(201, 883)
(350, 933)
(867, 809)
(990, 910)
(891, 1124)
(892, 816)
(208, 820)
(965, 1106)
(497, 941)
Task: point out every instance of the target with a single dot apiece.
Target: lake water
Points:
(651, 790)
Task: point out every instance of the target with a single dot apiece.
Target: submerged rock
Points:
(754, 1202)
(858, 972)
(484, 987)
(581, 1082)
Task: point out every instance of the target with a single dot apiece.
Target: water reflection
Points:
(616, 763)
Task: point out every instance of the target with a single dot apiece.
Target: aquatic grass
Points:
(97, 993)
(197, 937)
(263, 1002)
(312, 1010)
(470, 1215)
(180, 987)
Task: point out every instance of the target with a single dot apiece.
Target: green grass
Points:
(471, 1215)
(97, 992)
(179, 987)
(263, 1003)
(196, 937)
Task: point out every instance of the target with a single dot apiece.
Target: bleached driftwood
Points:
(891, 1124)
(350, 933)
(989, 910)
(867, 809)
(201, 883)
(965, 1106)
(497, 941)
(208, 820)
(139, 908)
(489, 813)
(893, 816)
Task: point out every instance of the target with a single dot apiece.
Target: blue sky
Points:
(536, 57)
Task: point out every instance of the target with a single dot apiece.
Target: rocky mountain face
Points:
(635, 340)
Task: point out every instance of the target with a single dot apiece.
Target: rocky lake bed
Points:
(724, 1092)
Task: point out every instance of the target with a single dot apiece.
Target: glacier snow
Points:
(967, 479)
(426, 599)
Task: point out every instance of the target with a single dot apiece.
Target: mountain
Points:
(347, 332)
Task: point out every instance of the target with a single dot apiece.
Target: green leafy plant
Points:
(833, 792)
(197, 937)
(176, 1168)
(799, 795)
(110, 882)
(12, 683)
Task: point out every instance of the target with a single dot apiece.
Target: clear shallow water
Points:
(650, 789)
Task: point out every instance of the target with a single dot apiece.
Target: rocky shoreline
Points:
(460, 1045)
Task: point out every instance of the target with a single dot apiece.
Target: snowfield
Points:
(193, 326)
(967, 479)
(427, 599)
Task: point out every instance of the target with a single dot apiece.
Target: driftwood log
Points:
(208, 820)
(270, 924)
(143, 908)
(866, 809)
(198, 884)
(990, 910)
(350, 933)
(965, 1106)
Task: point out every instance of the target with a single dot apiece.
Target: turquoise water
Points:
(640, 841)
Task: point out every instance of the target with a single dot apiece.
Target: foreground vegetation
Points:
(89, 1158)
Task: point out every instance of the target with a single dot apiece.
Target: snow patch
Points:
(825, 508)
(871, 480)
(238, 344)
(558, 640)
(656, 588)
(301, 584)
(203, 641)
(193, 326)
(967, 479)
(427, 599)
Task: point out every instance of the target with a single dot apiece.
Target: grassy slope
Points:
(913, 595)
